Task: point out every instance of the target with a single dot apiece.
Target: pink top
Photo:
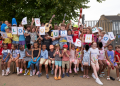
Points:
(101, 54)
(65, 58)
(87, 43)
(72, 54)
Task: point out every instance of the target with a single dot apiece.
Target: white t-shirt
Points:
(8, 51)
(94, 53)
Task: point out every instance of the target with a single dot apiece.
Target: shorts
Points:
(22, 42)
(61, 44)
(53, 62)
(27, 58)
(67, 63)
(15, 42)
(74, 61)
(59, 63)
(9, 46)
(42, 61)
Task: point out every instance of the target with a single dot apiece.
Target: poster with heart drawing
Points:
(105, 38)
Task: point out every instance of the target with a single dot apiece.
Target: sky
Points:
(108, 7)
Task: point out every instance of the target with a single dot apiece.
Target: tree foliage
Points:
(42, 9)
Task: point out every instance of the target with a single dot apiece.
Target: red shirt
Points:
(117, 53)
(65, 58)
(75, 35)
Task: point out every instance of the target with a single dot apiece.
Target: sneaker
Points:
(47, 76)
(52, 72)
(82, 69)
(37, 73)
(101, 75)
(21, 70)
(34, 72)
(26, 72)
(118, 79)
(93, 76)
(31, 73)
(59, 78)
(67, 74)
(63, 75)
(7, 72)
(40, 74)
(3, 73)
(77, 69)
(98, 81)
(55, 78)
(70, 71)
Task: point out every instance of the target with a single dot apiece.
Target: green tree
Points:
(43, 9)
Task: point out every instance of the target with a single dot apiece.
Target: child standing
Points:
(94, 62)
(14, 57)
(9, 38)
(1, 46)
(44, 60)
(27, 35)
(51, 58)
(5, 58)
(65, 60)
(111, 62)
(35, 59)
(79, 56)
(101, 59)
(72, 56)
(58, 61)
(86, 61)
(21, 58)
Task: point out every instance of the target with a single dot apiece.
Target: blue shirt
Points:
(44, 54)
(22, 37)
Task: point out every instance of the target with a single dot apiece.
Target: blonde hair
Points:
(103, 32)
(89, 29)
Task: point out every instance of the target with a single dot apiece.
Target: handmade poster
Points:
(42, 30)
(105, 38)
(88, 38)
(69, 39)
(4, 35)
(111, 35)
(20, 30)
(24, 21)
(55, 33)
(78, 43)
(37, 22)
(14, 30)
(63, 33)
(94, 30)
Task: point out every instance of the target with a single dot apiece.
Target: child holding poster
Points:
(72, 57)
(9, 38)
(111, 61)
(94, 62)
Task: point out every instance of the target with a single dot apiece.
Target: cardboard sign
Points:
(69, 39)
(111, 35)
(78, 43)
(63, 33)
(94, 30)
(20, 30)
(88, 38)
(14, 30)
(37, 22)
(42, 30)
(105, 38)
(55, 33)
(24, 21)
(4, 35)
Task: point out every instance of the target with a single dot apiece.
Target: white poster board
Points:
(111, 35)
(4, 35)
(78, 43)
(55, 33)
(88, 38)
(69, 39)
(14, 30)
(20, 30)
(63, 33)
(42, 31)
(37, 22)
(24, 21)
(105, 38)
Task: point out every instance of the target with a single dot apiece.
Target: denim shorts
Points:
(15, 42)
(61, 44)
(59, 63)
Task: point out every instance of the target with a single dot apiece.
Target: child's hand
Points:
(35, 60)
(111, 64)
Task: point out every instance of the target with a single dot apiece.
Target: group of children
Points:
(58, 53)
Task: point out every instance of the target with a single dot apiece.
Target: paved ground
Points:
(73, 80)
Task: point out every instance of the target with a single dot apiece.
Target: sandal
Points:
(103, 74)
(118, 79)
(84, 76)
(108, 78)
(87, 77)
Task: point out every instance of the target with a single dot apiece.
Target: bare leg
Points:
(60, 71)
(56, 70)
(117, 70)
(46, 68)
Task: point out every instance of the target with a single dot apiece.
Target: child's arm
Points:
(82, 55)
(69, 46)
(67, 26)
(60, 54)
(2, 57)
(32, 22)
(32, 55)
(46, 57)
(117, 58)
(18, 55)
(93, 39)
(109, 42)
(54, 53)
(67, 54)
(38, 54)
(108, 58)
(6, 56)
